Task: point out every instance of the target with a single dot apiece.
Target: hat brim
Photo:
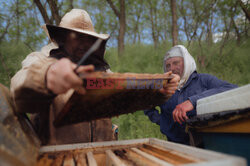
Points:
(59, 35)
(47, 28)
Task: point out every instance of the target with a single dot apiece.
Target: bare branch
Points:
(54, 11)
(245, 10)
(43, 11)
(5, 30)
(71, 4)
(111, 4)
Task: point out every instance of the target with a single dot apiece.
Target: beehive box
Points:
(139, 152)
(222, 122)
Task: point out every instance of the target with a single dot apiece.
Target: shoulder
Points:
(31, 58)
(206, 77)
(38, 55)
(46, 49)
(34, 57)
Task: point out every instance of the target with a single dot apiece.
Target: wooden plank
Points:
(9, 160)
(100, 159)
(112, 159)
(121, 154)
(195, 153)
(58, 160)
(171, 156)
(95, 145)
(186, 157)
(91, 159)
(69, 160)
(138, 159)
(11, 145)
(150, 157)
(239, 126)
(165, 157)
(80, 159)
(44, 161)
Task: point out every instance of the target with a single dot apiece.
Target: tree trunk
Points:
(157, 33)
(71, 4)
(54, 11)
(136, 33)
(237, 32)
(136, 28)
(17, 21)
(201, 58)
(209, 21)
(182, 10)
(245, 10)
(246, 27)
(234, 24)
(165, 29)
(122, 28)
(227, 28)
(197, 18)
(122, 21)
(153, 24)
(5, 30)
(209, 31)
(174, 23)
(43, 12)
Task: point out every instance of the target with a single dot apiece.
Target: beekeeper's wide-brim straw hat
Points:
(77, 20)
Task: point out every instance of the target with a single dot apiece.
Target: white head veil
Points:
(189, 63)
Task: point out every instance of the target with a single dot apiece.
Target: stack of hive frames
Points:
(149, 151)
(137, 154)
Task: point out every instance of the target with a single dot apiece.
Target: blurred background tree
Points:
(216, 32)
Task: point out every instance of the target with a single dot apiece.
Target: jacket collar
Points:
(191, 77)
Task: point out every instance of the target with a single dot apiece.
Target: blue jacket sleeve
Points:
(153, 115)
(214, 86)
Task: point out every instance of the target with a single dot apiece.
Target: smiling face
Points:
(176, 65)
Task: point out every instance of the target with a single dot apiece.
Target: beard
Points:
(178, 72)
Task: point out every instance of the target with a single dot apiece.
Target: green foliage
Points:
(11, 56)
(138, 58)
(233, 65)
(137, 125)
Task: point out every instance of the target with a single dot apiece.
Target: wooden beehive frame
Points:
(129, 92)
(148, 151)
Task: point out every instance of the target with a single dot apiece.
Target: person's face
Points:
(176, 65)
(76, 45)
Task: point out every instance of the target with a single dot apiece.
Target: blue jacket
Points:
(198, 86)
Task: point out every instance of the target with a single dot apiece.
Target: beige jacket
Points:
(31, 96)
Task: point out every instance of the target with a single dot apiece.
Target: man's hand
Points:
(180, 111)
(170, 88)
(61, 76)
